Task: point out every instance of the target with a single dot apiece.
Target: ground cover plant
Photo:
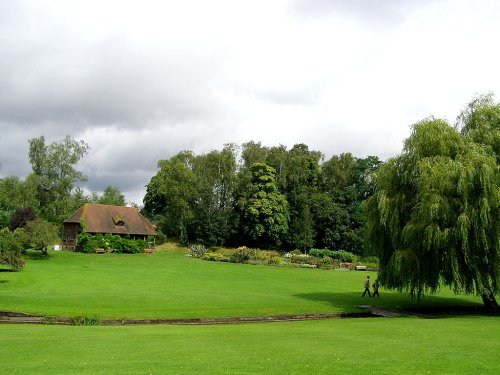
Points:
(170, 285)
(451, 345)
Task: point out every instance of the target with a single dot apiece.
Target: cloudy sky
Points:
(139, 81)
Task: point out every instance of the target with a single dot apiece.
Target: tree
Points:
(263, 210)
(345, 183)
(215, 179)
(54, 174)
(11, 250)
(21, 217)
(171, 195)
(40, 234)
(434, 218)
(113, 196)
(299, 182)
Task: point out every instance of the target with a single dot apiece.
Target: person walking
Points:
(367, 286)
(375, 285)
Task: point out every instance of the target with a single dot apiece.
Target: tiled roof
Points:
(100, 218)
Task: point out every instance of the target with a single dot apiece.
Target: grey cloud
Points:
(49, 74)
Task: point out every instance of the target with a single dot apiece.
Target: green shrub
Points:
(88, 243)
(213, 256)
(275, 260)
(296, 252)
(197, 251)
(320, 253)
(11, 250)
(239, 257)
(342, 255)
(92, 320)
(243, 254)
(266, 256)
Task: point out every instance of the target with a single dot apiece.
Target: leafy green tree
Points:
(15, 193)
(54, 174)
(113, 196)
(263, 210)
(299, 182)
(345, 183)
(171, 196)
(215, 174)
(40, 234)
(11, 250)
(434, 217)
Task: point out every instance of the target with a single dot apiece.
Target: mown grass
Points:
(459, 345)
(168, 284)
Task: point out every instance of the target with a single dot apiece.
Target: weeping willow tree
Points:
(435, 216)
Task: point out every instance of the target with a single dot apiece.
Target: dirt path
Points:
(11, 317)
(7, 317)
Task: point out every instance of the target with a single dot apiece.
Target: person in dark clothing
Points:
(375, 286)
(367, 286)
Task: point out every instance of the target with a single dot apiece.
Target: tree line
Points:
(431, 214)
(33, 209)
(265, 197)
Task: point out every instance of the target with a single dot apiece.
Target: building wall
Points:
(68, 236)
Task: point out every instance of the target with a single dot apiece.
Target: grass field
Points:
(168, 284)
(464, 345)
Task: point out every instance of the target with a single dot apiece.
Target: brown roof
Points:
(100, 218)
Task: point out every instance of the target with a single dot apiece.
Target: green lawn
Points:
(460, 345)
(171, 285)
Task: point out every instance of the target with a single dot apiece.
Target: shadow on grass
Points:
(36, 255)
(436, 306)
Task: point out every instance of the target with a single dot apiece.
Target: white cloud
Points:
(141, 80)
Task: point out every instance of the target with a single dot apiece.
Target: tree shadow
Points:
(36, 255)
(432, 306)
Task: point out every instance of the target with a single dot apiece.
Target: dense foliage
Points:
(435, 216)
(88, 243)
(271, 198)
(11, 250)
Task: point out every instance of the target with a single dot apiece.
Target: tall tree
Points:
(435, 216)
(299, 182)
(54, 174)
(345, 183)
(263, 210)
(171, 196)
(113, 196)
(215, 179)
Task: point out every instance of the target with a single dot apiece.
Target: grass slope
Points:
(170, 285)
(463, 345)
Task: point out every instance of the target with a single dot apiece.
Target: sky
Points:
(139, 81)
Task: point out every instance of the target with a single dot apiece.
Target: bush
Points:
(212, 256)
(320, 253)
(342, 255)
(92, 320)
(11, 250)
(239, 257)
(88, 243)
(197, 251)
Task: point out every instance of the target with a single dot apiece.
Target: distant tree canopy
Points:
(434, 218)
(51, 191)
(272, 197)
